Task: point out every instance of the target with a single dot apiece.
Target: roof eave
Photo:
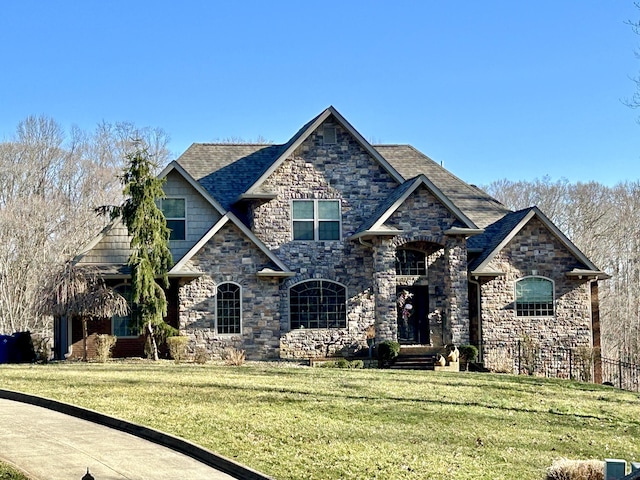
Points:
(588, 274)
(467, 232)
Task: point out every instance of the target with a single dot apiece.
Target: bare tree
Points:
(604, 223)
(50, 184)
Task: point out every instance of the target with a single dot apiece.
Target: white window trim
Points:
(316, 220)
(130, 306)
(216, 311)
(172, 197)
(346, 305)
(553, 296)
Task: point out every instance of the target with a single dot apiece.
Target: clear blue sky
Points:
(493, 89)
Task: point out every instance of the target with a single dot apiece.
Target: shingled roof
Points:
(226, 171)
(481, 208)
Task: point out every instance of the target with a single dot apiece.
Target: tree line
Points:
(604, 223)
(51, 182)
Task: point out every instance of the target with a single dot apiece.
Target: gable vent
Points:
(329, 136)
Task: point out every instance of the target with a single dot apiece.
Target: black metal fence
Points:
(581, 363)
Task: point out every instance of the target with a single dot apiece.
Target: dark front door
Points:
(413, 310)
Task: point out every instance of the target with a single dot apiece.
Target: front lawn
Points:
(303, 423)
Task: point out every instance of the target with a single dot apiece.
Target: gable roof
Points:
(229, 172)
(311, 127)
(480, 207)
(500, 233)
(280, 270)
(375, 224)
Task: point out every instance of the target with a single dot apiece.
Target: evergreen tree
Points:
(150, 258)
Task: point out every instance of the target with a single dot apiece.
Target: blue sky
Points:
(492, 89)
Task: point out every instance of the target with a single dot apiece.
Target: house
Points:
(295, 250)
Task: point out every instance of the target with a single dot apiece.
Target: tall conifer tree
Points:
(150, 258)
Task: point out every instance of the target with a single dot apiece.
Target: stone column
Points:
(384, 288)
(456, 321)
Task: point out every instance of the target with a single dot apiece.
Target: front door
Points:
(413, 310)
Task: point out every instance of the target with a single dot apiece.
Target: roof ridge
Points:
(236, 144)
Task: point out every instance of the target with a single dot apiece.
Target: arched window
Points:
(318, 304)
(228, 308)
(128, 325)
(534, 297)
(410, 262)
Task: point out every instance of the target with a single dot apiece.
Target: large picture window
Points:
(174, 212)
(229, 308)
(534, 297)
(316, 219)
(127, 325)
(318, 304)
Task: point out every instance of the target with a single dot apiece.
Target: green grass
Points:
(7, 472)
(301, 423)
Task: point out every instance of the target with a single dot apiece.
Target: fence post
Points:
(519, 359)
(620, 374)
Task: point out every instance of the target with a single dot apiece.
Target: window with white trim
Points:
(318, 304)
(126, 325)
(410, 262)
(174, 211)
(229, 308)
(316, 220)
(534, 297)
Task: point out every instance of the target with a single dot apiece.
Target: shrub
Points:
(178, 347)
(104, 346)
(387, 353)
(469, 353)
(342, 363)
(201, 356)
(233, 356)
(564, 469)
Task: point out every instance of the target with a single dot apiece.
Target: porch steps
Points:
(414, 362)
(416, 357)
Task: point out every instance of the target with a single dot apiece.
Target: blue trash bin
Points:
(5, 345)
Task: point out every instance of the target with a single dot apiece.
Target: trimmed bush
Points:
(104, 346)
(387, 353)
(178, 347)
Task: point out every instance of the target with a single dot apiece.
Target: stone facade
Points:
(230, 257)
(535, 251)
(384, 210)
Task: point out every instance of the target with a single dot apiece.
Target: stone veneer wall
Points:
(424, 218)
(230, 257)
(344, 171)
(536, 251)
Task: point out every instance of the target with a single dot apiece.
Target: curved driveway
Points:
(50, 445)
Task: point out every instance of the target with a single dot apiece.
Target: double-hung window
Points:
(534, 297)
(316, 220)
(174, 211)
(126, 325)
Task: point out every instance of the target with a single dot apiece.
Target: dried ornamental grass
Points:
(565, 469)
(233, 356)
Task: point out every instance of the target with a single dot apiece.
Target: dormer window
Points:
(316, 220)
(174, 212)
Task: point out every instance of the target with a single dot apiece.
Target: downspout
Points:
(479, 310)
(595, 330)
